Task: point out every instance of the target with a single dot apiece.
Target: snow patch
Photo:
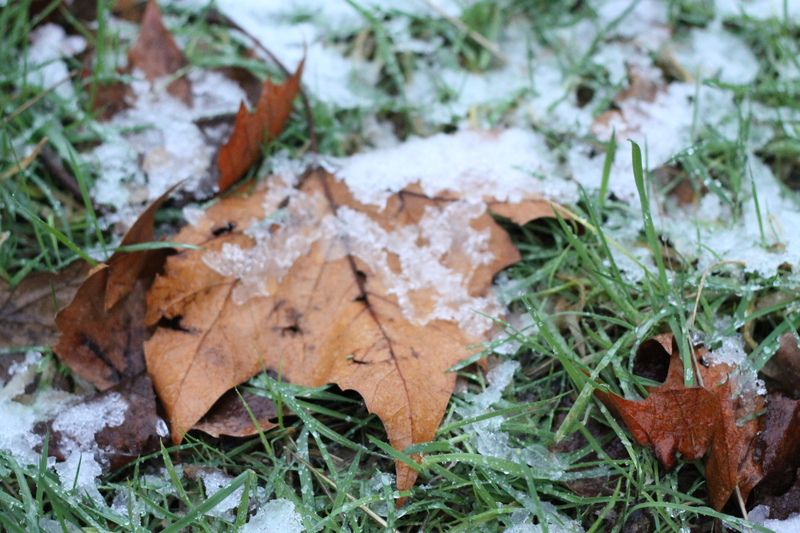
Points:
(707, 53)
(646, 21)
(50, 43)
(276, 516)
(760, 516)
(213, 482)
(523, 325)
(80, 472)
(507, 165)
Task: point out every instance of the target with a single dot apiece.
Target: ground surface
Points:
(402, 94)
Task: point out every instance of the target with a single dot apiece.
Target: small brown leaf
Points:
(156, 54)
(251, 130)
(781, 440)
(107, 98)
(675, 419)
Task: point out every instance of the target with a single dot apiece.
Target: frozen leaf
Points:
(251, 130)
(679, 421)
(156, 54)
(312, 284)
(27, 312)
(102, 330)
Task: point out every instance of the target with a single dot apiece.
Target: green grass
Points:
(590, 314)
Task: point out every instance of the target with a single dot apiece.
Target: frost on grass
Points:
(381, 484)
(522, 521)
(492, 441)
(276, 515)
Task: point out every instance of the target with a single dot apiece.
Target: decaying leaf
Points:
(675, 420)
(231, 415)
(137, 434)
(784, 366)
(251, 130)
(309, 283)
(156, 54)
(109, 98)
(780, 488)
(102, 330)
(27, 312)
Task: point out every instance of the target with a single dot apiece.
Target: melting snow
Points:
(760, 516)
(76, 421)
(213, 482)
(45, 68)
(378, 485)
(506, 165)
(276, 515)
(490, 440)
(445, 232)
(708, 51)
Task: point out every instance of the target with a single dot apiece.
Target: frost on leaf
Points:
(308, 282)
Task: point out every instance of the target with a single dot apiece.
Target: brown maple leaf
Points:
(156, 54)
(251, 130)
(678, 420)
(308, 283)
